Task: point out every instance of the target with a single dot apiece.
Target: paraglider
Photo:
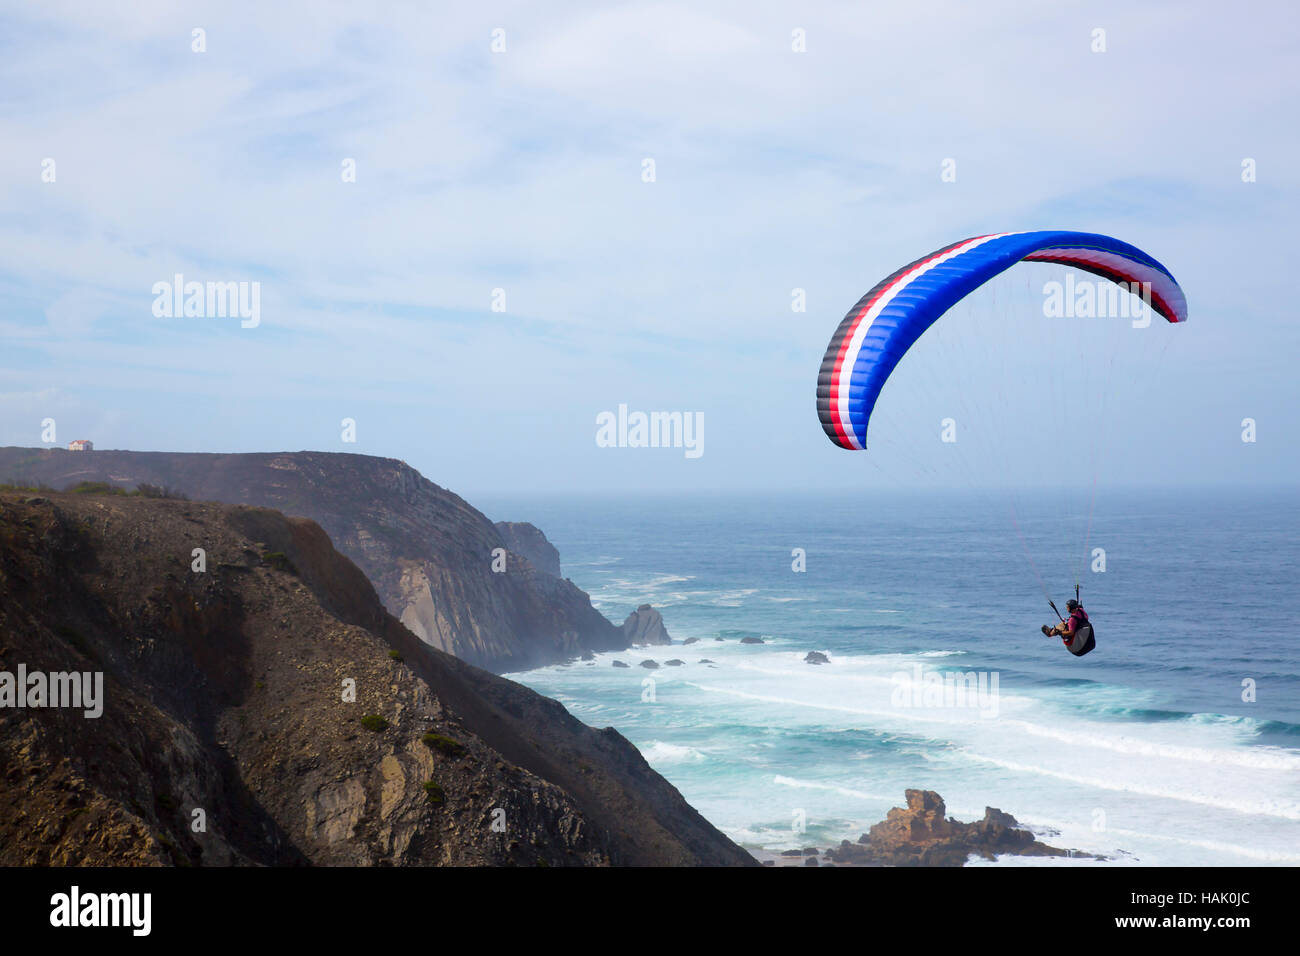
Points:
(878, 331)
(1075, 631)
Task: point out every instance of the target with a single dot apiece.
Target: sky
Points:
(499, 271)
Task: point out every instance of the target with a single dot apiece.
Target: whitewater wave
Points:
(1116, 835)
(658, 752)
(798, 784)
(1262, 758)
(1275, 808)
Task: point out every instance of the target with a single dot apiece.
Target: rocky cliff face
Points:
(268, 696)
(429, 553)
(527, 540)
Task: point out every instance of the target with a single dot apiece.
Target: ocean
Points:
(1176, 742)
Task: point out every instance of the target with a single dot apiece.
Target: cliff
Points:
(527, 540)
(225, 702)
(428, 553)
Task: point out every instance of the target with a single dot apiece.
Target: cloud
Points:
(775, 170)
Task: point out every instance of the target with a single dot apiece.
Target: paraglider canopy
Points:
(878, 331)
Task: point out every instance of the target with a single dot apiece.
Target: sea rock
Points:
(674, 663)
(650, 665)
(621, 664)
(816, 657)
(645, 625)
(691, 640)
(851, 854)
(922, 834)
(751, 640)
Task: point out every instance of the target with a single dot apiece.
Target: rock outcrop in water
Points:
(922, 834)
(428, 553)
(645, 625)
(267, 691)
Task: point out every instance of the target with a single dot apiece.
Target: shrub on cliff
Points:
(99, 488)
(280, 561)
(444, 745)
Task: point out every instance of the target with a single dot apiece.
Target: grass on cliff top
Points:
(101, 488)
(15, 485)
(144, 490)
